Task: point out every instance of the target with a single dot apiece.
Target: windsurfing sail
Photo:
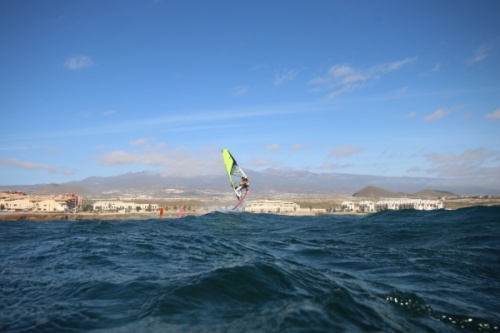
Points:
(235, 172)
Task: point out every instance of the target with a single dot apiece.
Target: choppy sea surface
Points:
(393, 271)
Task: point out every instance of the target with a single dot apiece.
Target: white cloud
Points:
(257, 67)
(344, 151)
(241, 90)
(179, 161)
(109, 113)
(438, 114)
(261, 162)
(392, 66)
(335, 166)
(469, 163)
(400, 92)
(482, 53)
(78, 62)
(179, 121)
(287, 75)
(437, 67)
(345, 78)
(414, 169)
(339, 92)
(31, 166)
(299, 146)
(119, 157)
(141, 141)
(84, 114)
(494, 115)
(274, 147)
(347, 75)
(467, 116)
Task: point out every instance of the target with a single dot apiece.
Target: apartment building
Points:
(20, 201)
(123, 206)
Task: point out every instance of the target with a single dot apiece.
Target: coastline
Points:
(42, 217)
(452, 204)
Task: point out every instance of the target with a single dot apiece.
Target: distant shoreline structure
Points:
(171, 214)
(16, 205)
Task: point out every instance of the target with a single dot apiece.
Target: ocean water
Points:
(393, 271)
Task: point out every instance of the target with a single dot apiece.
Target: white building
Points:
(118, 205)
(367, 206)
(18, 201)
(418, 204)
(51, 205)
(271, 206)
(279, 207)
(348, 206)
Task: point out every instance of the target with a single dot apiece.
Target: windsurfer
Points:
(242, 185)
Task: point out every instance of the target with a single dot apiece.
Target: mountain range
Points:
(270, 182)
(375, 192)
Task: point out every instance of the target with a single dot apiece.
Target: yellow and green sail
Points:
(232, 167)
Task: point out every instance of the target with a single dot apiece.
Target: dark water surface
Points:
(394, 271)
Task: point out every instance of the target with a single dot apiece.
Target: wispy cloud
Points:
(181, 122)
(438, 114)
(286, 75)
(344, 151)
(241, 90)
(32, 166)
(299, 146)
(441, 113)
(120, 157)
(437, 68)
(176, 161)
(467, 116)
(274, 147)
(262, 162)
(257, 67)
(84, 114)
(470, 163)
(16, 147)
(108, 113)
(494, 115)
(345, 78)
(335, 166)
(78, 62)
(433, 70)
(482, 53)
(141, 141)
(414, 169)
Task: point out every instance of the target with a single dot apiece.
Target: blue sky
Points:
(392, 88)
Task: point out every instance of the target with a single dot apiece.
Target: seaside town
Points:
(69, 203)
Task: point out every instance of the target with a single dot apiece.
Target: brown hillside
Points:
(374, 192)
(433, 194)
(55, 189)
